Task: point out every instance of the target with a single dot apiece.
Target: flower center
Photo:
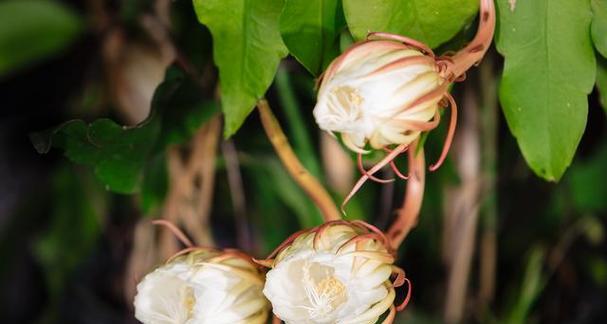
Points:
(324, 291)
(188, 301)
(346, 101)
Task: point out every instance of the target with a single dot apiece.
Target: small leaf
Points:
(549, 71)
(599, 25)
(247, 48)
(311, 30)
(31, 30)
(601, 81)
(432, 22)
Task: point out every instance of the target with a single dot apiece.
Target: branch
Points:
(304, 179)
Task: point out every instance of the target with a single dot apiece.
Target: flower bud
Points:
(203, 286)
(338, 272)
(380, 92)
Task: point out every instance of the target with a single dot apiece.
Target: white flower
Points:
(382, 92)
(338, 272)
(203, 286)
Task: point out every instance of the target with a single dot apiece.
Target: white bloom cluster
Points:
(380, 92)
(338, 272)
(203, 286)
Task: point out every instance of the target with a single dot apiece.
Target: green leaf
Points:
(549, 71)
(247, 48)
(118, 154)
(601, 82)
(155, 185)
(32, 30)
(432, 22)
(599, 25)
(311, 30)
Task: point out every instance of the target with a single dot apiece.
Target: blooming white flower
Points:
(338, 272)
(203, 286)
(382, 92)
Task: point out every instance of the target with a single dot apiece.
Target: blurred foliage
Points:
(64, 225)
(31, 30)
(77, 220)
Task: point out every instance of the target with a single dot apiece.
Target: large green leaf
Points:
(247, 48)
(118, 154)
(599, 25)
(431, 21)
(310, 29)
(549, 71)
(31, 30)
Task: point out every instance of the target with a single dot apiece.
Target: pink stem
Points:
(474, 52)
(407, 215)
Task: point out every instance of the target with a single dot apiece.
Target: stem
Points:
(474, 52)
(239, 204)
(463, 211)
(489, 127)
(304, 179)
(302, 143)
(408, 214)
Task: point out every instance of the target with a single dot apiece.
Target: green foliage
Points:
(549, 71)
(31, 30)
(118, 154)
(155, 185)
(531, 287)
(433, 22)
(587, 182)
(599, 25)
(247, 48)
(76, 222)
(601, 81)
(310, 29)
(300, 136)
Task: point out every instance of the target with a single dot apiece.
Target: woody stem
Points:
(474, 52)
(304, 179)
(409, 212)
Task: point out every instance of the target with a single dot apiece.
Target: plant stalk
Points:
(304, 179)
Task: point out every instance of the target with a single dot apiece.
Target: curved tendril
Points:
(407, 298)
(398, 172)
(175, 230)
(450, 133)
(395, 168)
(405, 40)
(363, 171)
(386, 160)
